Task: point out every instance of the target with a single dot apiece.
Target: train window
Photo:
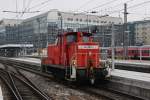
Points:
(145, 51)
(71, 38)
(133, 51)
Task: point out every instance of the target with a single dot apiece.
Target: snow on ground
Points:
(131, 75)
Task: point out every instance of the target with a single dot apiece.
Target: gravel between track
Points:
(58, 91)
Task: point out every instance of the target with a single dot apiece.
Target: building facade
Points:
(142, 32)
(9, 32)
(43, 29)
(103, 34)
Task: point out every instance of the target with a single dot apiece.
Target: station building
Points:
(9, 33)
(43, 29)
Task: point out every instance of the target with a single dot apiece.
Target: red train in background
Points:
(133, 52)
(75, 56)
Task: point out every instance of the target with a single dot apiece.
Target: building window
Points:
(94, 21)
(89, 20)
(70, 19)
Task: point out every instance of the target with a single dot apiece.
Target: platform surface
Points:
(131, 75)
(135, 62)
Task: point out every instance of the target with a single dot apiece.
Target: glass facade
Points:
(43, 29)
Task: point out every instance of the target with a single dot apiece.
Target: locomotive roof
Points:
(85, 33)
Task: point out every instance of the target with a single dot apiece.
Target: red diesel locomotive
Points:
(75, 56)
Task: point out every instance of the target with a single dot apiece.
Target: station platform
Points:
(133, 65)
(131, 75)
(133, 62)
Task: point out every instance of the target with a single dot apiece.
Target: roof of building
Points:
(74, 15)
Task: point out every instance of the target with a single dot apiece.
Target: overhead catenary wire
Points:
(19, 12)
(85, 4)
(43, 6)
(25, 8)
(109, 2)
(120, 4)
(42, 3)
(130, 7)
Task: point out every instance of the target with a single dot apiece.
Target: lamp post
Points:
(38, 45)
(93, 12)
(113, 47)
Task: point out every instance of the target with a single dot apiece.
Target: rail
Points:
(11, 79)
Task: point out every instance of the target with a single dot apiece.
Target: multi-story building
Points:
(142, 32)
(103, 34)
(42, 29)
(9, 32)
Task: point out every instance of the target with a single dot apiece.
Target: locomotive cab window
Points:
(71, 38)
(86, 37)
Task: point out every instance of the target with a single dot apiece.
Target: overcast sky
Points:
(137, 9)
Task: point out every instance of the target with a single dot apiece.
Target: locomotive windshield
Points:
(71, 38)
(86, 37)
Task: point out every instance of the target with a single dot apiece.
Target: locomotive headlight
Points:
(74, 62)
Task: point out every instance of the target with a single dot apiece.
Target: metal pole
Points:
(112, 46)
(140, 53)
(88, 23)
(125, 38)
(61, 23)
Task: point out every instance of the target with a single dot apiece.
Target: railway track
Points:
(97, 90)
(21, 88)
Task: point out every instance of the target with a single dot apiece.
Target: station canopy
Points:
(16, 46)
